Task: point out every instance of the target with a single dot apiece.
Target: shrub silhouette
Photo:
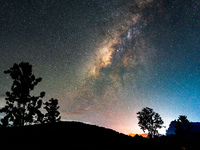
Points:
(52, 114)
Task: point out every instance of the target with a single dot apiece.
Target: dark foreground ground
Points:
(76, 135)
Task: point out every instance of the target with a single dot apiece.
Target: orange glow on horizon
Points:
(143, 135)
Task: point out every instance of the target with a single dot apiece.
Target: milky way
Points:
(116, 66)
(106, 60)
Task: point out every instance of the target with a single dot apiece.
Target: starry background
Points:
(106, 60)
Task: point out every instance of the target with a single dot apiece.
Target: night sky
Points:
(105, 60)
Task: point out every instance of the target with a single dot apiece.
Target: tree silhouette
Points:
(149, 120)
(183, 126)
(21, 108)
(52, 114)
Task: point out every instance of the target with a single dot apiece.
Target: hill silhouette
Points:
(77, 135)
(69, 135)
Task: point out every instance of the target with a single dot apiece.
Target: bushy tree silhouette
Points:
(149, 120)
(183, 126)
(52, 114)
(21, 108)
